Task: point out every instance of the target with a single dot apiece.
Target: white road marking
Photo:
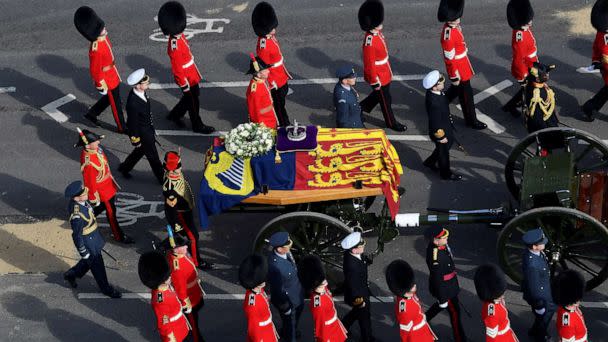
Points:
(7, 90)
(595, 305)
(588, 70)
(492, 125)
(175, 132)
(208, 296)
(56, 114)
(189, 32)
(132, 208)
(307, 81)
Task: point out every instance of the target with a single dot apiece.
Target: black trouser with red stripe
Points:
(104, 102)
(278, 101)
(189, 103)
(193, 320)
(109, 207)
(464, 92)
(383, 97)
(454, 311)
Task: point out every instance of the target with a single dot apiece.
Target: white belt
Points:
(419, 325)
(335, 318)
(532, 55)
(176, 317)
(266, 322)
(193, 283)
(189, 64)
(277, 64)
(462, 55)
(505, 330)
(382, 62)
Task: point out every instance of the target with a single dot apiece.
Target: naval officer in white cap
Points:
(141, 128)
(440, 125)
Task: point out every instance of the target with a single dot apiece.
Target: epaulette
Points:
(175, 264)
(76, 211)
(606, 39)
(402, 305)
(566, 319)
(491, 310)
(254, 86)
(173, 44)
(251, 300)
(262, 43)
(159, 297)
(446, 33)
(519, 36)
(317, 301)
(368, 40)
(435, 251)
(94, 46)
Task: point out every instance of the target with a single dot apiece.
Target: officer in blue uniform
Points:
(286, 292)
(346, 99)
(88, 241)
(536, 284)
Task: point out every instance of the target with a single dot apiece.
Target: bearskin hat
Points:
(263, 19)
(86, 137)
(253, 271)
(172, 18)
(599, 15)
(519, 13)
(568, 287)
(399, 277)
(490, 282)
(310, 272)
(88, 23)
(371, 14)
(153, 269)
(450, 10)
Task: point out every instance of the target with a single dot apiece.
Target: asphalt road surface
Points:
(43, 59)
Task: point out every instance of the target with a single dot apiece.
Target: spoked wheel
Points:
(590, 153)
(576, 241)
(312, 233)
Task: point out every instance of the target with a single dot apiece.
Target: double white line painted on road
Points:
(492, 125)
(56, 114)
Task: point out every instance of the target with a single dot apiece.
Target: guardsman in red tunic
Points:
(259, 98)
(599, 58)
(252, 276)
(264, 21)
(98, 180)
(172, 21)
(102, 67)
(568, 290)
(490, 284)
(457, 62)
(328, 327)
(376, 66)
(154, 272)
(413, 326)
(523, 45)
(185, 280)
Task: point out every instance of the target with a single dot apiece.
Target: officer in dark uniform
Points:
(141, 129)
(346, 99)
(540, 99)
(443, 282)
(356, 287)
(286, 292)
(88, 241)
(440, 125)
(536, 283)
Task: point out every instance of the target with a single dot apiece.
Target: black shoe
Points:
(399, 127)
(513, 110)
(92, 118)
(127, 240)
(431, 166)
(125, 173)
(453, 177)
(204, 129)
(587, 112)
(478, 125)
(113, 293)
(176, 121)
(205, 266)
(70, 279)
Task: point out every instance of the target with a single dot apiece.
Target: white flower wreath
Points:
(249, 140)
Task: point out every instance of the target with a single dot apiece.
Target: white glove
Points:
(86, 256)
(187, 310)
(443, 305)
(540, 311)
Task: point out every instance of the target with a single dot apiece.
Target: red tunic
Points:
(376, 67)
(523, 46)
(268, 50)
(600, 53)
(328, 327)
(184, 278)
(571, 325)
(97, 176)
(455, 50)
(413, 326)
(496, 320)
(259, 104)
(259, 318)
(101, 64)
(184, 69)
(170, 320)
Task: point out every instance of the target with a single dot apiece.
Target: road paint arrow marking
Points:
(7, 90)
(492, 124)
(56, 114)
